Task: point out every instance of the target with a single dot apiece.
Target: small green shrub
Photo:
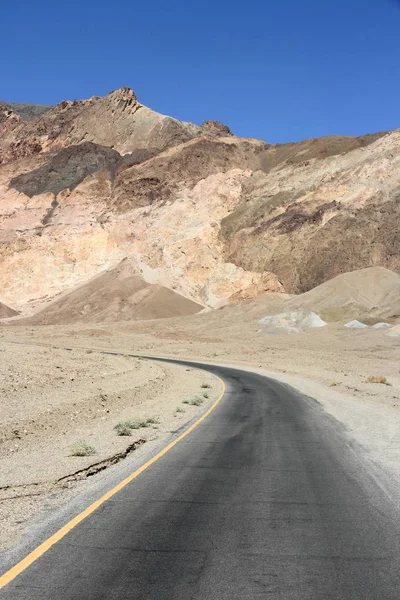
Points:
(205, 385)
(180, 410)
(205, 395)
(136, 423)
(153, 420)
(128, 424)
(82, 449)
(197, 401)
(123, 429)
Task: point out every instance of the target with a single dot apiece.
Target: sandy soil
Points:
(52, 399)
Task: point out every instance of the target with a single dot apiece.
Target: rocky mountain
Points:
(27, 112)
(195, 209)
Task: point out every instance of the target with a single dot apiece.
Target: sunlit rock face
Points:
(214, 217)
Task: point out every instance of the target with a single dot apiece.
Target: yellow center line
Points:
(56, 537)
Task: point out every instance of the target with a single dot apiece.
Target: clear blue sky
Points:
(280, 70)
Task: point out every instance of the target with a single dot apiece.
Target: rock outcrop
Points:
(27, 112)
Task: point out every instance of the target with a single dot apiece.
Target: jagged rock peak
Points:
(216, 128)
(124, 93)
(8, 119)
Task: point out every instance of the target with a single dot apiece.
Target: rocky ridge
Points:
(196, 209)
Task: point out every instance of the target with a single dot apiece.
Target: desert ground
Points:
(59, 389)
(54, 400)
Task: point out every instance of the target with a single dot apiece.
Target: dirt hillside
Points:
(116, 295)
(6, 312)
(372, 292)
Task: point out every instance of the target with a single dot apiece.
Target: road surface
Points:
(265, 499)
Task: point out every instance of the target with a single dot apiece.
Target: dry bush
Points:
(377, 379)
(197, 401)
(123, 429)
(82, 449)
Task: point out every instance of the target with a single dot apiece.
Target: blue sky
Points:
(280, 71)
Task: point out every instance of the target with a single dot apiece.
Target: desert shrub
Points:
(136, 423)
(123, 429)
(205, 385)
(180, 410)
(377, 379)
(205, 395)
(82, 449)
(197, 401)
(153, 420)
(129, 424)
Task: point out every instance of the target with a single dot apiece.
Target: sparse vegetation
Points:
(123, 429)
(205, 395)
(180, 410)
(206, 385)
(82, 449)
(377, 379)
(197, 401)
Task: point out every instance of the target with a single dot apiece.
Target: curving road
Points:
(265, 499)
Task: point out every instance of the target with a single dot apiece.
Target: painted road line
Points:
(56, 537)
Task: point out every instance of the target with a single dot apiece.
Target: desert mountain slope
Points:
(6, 311)
(117, 120)
(116, 295)
(373, 292)
(215, 217)
(27, 112)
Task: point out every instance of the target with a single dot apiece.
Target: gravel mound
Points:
(293, 322)
(6, 311)
(116, 295)
(356, 325)
(394, 331)
(371, 292)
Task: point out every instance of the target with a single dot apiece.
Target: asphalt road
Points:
(265, 499)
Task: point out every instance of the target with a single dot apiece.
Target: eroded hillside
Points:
(213, 217)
